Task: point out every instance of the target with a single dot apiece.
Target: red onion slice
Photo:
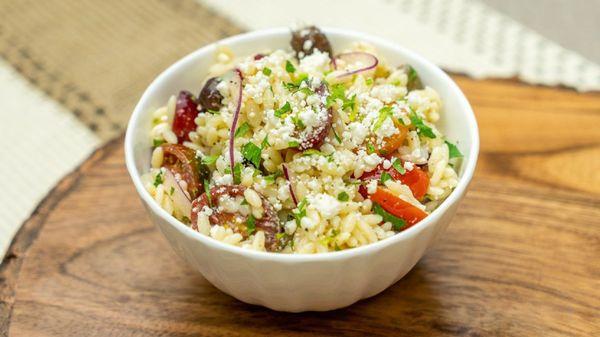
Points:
(365, 60)
(181, 200)
(287, 177)
(235, 82)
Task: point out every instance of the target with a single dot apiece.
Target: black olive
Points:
(210, 98)
(317, 39)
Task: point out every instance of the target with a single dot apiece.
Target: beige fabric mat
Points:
(96, 57)
(70, 75)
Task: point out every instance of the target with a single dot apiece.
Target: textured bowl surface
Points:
(296, 283)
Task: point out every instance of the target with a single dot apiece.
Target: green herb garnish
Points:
(265, 142)
(422, 128)
(272, 177)
(301, 211)
(338, 91)
(209, 160)
(397, 223)
(337, 137)
(207, 191)
(311, 152)
(298, 122)
(289, 67)
(398, 166)
(252, 153)
(266, 71)
(158, 142)
(242, 130)
(385, 177)
(250, 224)
(293, 143)
(343, 196)
(172, 190)
(453, 151)
(370, 148)
(237, 173)
(283, 110)
(158, 179)
(384, 113)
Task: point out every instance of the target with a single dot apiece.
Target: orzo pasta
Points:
(302, 150)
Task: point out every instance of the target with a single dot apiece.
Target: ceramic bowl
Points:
(294, 283)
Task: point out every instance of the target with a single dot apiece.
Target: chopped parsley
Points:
(301, 212)
(265, 142)
(338, 91)
(209, 160)
(266, 71)
(310, 152)
(369, 81)
(453, 150)
(252, 153)
(370, 148)
(207, 191)
(272, 177)
(237, 173)
(422, 128)
(158, 179)
(384, 113)
(337, 137)
(283, 110)
(250, 224)
(343, 196)
(412, 74)
(398, 166)
(172, 190)
(397, 223)
(242, 130)
(293, 143)
(298, 122)
(289, 67)
(385, 177)
(213, 112)
(158, 142)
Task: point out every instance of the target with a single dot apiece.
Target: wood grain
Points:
(521, 257)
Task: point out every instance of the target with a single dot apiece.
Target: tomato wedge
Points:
(182, 160)
(393, 142)
(398, 207)
(186, 110)
(416, 179)
(269, 223)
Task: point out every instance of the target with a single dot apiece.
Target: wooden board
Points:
(521, 258)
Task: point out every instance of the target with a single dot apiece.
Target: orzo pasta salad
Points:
(302, 150)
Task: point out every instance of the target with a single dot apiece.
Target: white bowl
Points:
(296, 283)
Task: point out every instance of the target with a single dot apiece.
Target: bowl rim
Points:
(454, 197)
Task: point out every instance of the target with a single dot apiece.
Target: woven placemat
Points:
(96, 57)
(70, 75)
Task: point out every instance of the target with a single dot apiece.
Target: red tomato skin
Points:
(416, 179)
(398, 207)
(186, 111)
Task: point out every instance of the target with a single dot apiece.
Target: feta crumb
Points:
(327, 205)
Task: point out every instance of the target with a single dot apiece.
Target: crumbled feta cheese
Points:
(327, 205)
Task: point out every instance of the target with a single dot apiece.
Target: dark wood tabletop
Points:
(521, 258)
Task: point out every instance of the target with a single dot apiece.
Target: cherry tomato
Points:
(398, 207)
(186, 110)
(393, 142)
(269, 223)
(416, 179)
(182, 160)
